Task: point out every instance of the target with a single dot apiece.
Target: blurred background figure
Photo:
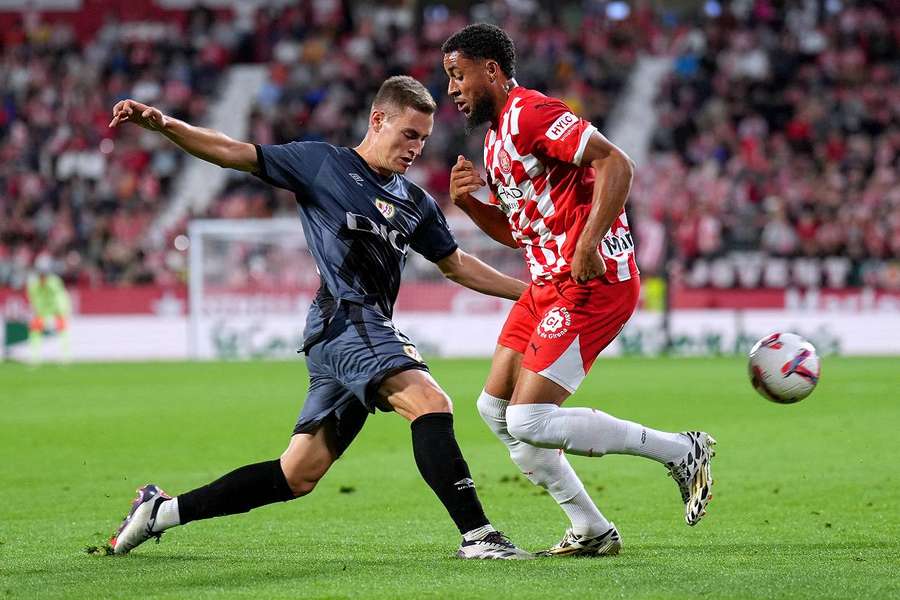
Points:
(51, 306)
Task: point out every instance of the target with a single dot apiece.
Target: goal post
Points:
(251, 282)
(249, 286)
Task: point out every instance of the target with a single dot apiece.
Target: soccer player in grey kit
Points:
(360, 216)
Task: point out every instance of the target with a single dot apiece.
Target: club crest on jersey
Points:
(560, 126)
(386, 208)
(505, 161)
(412, 352)
(555, 323)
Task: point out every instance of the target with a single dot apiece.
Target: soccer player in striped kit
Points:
(558, 191)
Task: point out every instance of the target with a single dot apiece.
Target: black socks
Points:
(437, 455)
(241, 490)
(443, 467)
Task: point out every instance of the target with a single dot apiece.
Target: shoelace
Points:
(497, 537)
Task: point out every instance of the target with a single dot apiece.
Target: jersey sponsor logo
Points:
(386, 208)
(555, 323)
(505, 161)
(366, 225)
(560, 126)
(510, 198)
(357, 178)
(618, 244)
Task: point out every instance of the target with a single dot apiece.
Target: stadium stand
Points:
(774, 162)
(776, 157)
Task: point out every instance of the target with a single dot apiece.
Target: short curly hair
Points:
(484, 41)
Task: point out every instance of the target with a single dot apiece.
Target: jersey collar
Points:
(513, 94)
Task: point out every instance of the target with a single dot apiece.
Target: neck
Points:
(501, 97)
(369, 153)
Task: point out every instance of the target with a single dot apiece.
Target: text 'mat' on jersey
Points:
(531, 158)
(358, 224)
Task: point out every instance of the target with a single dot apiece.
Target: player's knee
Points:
(302, 471)
(302, 481)
(302, 487)
(492, 411)
(526, 424)
(429, 399)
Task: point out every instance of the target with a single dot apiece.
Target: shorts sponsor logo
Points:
(555, 323)
(561, 126)
(386, 208)
(412, 352)
(505, 161)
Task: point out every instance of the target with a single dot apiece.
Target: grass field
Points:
(807, 497)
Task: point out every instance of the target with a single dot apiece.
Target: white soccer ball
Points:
(784, 368)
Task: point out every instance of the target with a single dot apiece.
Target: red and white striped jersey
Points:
(531, 158)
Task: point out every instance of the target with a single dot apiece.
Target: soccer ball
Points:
(784, 368)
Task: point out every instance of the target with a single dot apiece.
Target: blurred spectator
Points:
(790, 123)
(776, 148)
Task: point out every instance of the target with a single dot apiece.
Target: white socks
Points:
(590, 432)
(547, 468)
(167, 516)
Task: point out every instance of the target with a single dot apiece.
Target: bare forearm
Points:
(472, 273)
(210, 145)
(611, 187)
(489, 219)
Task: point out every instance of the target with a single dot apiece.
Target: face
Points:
(399, 137)
(469, 88)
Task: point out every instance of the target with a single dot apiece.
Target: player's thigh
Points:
(504, 373)
(413, 393)
(534, 388)
(309, 456)
(362, 352)
(574, 329)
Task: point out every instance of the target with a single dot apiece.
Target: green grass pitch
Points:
(807, 497)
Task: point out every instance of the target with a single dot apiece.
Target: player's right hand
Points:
(132, 111)
(464, 180)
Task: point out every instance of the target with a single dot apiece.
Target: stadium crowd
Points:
(779, 141)
(778, 134)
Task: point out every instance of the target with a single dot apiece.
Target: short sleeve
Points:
(433, 238)
(292, 166)
(549, 129)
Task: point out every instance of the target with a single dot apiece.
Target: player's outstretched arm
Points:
(614, 173)
(470, 272)
(464, 180)
(208, 144)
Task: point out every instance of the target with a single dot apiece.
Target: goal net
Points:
(251, 283)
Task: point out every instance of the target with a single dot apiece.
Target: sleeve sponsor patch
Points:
(561, 126)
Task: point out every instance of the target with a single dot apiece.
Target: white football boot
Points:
(608, 543)
(494, 545)
(137, 527)
(694, 476)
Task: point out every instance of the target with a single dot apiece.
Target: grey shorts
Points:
(358, 350)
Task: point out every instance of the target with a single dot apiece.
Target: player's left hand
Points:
(587, 265)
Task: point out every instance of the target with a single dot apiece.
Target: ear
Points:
(492, 69)
(376, 120)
